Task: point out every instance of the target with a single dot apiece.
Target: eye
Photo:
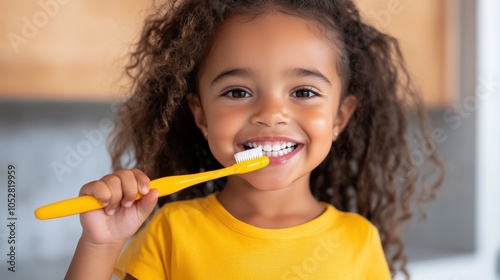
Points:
(304, 93)
(237, 93)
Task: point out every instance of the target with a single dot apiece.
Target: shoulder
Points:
(353, 220)
(358, 228)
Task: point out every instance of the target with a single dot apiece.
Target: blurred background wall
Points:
(61, 67)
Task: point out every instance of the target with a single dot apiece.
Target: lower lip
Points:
(284, 158)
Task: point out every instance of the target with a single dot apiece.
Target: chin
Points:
(268, 183)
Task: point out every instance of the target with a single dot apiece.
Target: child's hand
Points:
(122, 216)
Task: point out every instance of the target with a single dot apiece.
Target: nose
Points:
(271, 110)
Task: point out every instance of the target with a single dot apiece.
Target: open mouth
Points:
(272, 149)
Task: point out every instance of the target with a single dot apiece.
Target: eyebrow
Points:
(303, 72)
(232, 73)
(297, 71)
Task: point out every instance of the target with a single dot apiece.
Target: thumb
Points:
(147, 203)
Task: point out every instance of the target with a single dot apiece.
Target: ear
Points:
(346, 109)
(197, 111)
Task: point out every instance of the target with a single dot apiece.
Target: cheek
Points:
(223, 126)
(224, 122)
(319, 123)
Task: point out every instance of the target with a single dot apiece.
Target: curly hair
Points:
(371, 169)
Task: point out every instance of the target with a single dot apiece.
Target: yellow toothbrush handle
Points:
(166, 186)
(68, 207)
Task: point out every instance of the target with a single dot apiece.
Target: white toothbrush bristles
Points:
(248, 154)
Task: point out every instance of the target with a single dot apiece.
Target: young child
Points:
(324, 94)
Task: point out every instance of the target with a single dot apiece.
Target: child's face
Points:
(271, 81)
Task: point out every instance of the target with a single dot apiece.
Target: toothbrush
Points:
(246, 161)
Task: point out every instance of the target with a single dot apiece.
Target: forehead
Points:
(272, 37)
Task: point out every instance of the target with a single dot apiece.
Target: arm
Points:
(105, 231)
(93, 262)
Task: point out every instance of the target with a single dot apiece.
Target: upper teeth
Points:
(274, 148)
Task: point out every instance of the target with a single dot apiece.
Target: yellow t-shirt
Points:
(198, 239)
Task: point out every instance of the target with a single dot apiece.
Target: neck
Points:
(280, 208)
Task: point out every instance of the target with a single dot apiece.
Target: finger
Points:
(114, 184)
(129, 186)
(97, 189)
(147, 203)
(142, 181)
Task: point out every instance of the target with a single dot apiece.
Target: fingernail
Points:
(128, 204)
(144, 189)
(110, 212)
